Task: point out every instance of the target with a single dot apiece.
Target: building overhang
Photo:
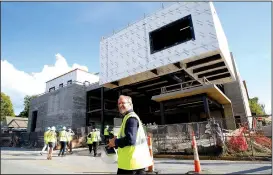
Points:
(211, 90)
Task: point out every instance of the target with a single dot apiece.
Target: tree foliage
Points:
(6, 106)
(27, 100)
(256, 107)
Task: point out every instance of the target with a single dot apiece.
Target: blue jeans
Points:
(63, 147)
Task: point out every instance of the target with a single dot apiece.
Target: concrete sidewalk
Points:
(18, 161)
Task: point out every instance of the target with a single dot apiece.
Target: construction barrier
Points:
(197, 167)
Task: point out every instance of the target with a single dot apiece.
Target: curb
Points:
(190, 157)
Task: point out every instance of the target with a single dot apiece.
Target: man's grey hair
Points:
(128, 98)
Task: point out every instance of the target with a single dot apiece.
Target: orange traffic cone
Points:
(197, 167)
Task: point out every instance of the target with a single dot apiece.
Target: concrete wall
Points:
(236, 92)
(66, 106)
(62, 79)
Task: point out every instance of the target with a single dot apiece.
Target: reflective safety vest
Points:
(135, 156)
(45, 136)
(63, 136)
(94, 136)
(89, 139)
(106, 133)
(70, 136)
(51, 136)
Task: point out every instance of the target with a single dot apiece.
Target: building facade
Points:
(175, 64)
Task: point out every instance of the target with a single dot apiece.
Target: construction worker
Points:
(70, 138)
(89, 142)
(45, 140)
(106, 134)
(95, 139)
(63, 138)
(133, 151)
(51, 138)
(98, 134)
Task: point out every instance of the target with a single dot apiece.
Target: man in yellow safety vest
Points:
(70, 134)
(133, 150)
(106, 134)
(89, 142)
(51, 138)
(63, 138)
(45, 141)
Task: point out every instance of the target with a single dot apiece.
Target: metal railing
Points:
(183, 86)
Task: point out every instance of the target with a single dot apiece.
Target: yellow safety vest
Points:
(51, 136)
(135, 156)
(89, 139)
(106, 133)
(94, 136)
(63, 136)
(45, 136)
(70, 136)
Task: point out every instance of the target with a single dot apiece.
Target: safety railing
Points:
(183, 86)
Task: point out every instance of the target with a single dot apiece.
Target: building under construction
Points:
(175, 64)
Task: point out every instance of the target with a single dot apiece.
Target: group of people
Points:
(52, 137)
(131, 141)
(94, 138)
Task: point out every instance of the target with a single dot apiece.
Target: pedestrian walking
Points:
(63, 138)
(51, 138)
(45, 141)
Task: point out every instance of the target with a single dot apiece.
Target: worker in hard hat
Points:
(63, 138)
(89, 142)
(70, 134)
(106, 134)
(51, 139)
(98, 135)
(45, 140)
(94, 139)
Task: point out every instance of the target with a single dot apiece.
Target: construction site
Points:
(177, 67)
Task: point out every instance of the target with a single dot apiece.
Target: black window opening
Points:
(172, 34)
(52, 89)
(69, 82)
(61, 85)
(34, 121)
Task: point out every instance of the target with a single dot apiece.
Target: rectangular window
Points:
(69, 82)
(61, 85)
(172, 34)
(52, 89)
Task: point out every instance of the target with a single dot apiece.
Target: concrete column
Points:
(229, 118)
(162, 113)
(206, 106)
(102, 109)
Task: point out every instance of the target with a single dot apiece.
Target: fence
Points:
(176, 139)
(210, 137)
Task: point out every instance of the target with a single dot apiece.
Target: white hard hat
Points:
(69, 129)
(53, 128)
(48, 128)
(64, 128)
(107, 126)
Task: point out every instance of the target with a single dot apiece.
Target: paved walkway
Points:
(21, 161)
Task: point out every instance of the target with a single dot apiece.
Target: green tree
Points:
(27, 100)
(6, 106)
(256, 107)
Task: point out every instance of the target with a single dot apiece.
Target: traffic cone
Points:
(197, 167)
(150, 168)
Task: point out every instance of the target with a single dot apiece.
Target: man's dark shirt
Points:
(130, 132)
